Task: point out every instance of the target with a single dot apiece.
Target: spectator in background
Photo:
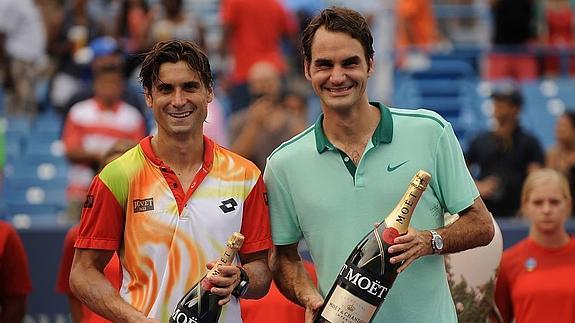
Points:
(561, 156)
(93, 126)
(252, 32)
(501, 158)
(22, 53)
(15, 282)
(176, 23)
(558, 34)
(535, 282)
(106, 53)
(417, 29)
(216, 126)
(113, 271)
(266, 122)
(514, 27)
(76, 30)
(132, 29)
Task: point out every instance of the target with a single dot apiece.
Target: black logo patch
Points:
(143, 205)
(228, 205)
(266, 198)
(89, 203)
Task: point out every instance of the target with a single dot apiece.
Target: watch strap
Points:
(242, 287)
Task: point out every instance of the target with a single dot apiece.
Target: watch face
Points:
(438, 242)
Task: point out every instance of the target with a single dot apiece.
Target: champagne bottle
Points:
(367, 275)
(199, 305)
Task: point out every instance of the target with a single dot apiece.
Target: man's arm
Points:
(293, 280)
(473, 229)
(255, 265)
(88, 283)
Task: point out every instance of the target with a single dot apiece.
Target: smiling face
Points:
(179, 101)
(338, 70)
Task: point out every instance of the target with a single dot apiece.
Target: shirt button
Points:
(174, 185)
(346, 159)
(163, 169)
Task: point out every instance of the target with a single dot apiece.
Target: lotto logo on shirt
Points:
(143, 205)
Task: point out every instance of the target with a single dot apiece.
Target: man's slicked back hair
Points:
(173, 51)
(339, 19)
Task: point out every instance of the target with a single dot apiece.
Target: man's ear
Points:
(370, 67)
(148, 98)
(210, 96)
(306, 70)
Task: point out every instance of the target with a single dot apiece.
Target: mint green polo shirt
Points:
(315, 194)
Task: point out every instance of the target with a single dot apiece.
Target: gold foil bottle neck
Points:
(400, 217)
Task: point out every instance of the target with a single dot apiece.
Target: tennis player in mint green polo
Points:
(331, 183)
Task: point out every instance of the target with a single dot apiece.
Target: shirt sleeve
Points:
(227, 12)
(62, 282)
(14, 270)
(102, 223)
(285, 224)
(503, 292)
(256, 220)
(72, 134)
(453, 183)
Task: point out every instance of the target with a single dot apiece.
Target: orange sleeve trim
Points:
(90, 243)
(256, 246)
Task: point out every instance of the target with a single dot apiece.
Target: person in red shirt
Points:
(535, 282)
(275, 304)
(113, 271)
(15, 282)
(253, 30)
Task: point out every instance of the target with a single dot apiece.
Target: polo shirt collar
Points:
(146, 144)
(383, 133)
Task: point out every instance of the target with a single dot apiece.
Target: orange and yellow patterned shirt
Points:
(165, 235)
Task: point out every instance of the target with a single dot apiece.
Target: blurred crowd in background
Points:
(75, 63)
(501, 71)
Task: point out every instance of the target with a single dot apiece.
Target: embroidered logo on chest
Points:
(143, 205)
(228, 205)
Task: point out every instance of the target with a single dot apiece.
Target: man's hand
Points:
(312, 304)
(411, 246)
(225, 282)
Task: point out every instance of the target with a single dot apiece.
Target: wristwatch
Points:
(242, 288)
(436, 242)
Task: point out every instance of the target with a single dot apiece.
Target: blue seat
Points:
(446, 69)
(20, 125)
(35, 195)
(23, 221)
(43, 147)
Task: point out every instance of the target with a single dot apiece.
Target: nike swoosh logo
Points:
(391, 169)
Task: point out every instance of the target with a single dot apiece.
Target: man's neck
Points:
(181, 155)
(352, 128)
(505, 130)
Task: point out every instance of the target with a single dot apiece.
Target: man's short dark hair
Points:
(339, 19)
(173, 51)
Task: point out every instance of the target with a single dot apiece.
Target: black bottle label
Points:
(356, 297)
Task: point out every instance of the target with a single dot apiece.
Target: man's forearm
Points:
(260, 279)
(291, 277)
(474, 228)
(93, 289)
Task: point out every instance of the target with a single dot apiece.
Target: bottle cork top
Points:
(421, 179)
(236, 240)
